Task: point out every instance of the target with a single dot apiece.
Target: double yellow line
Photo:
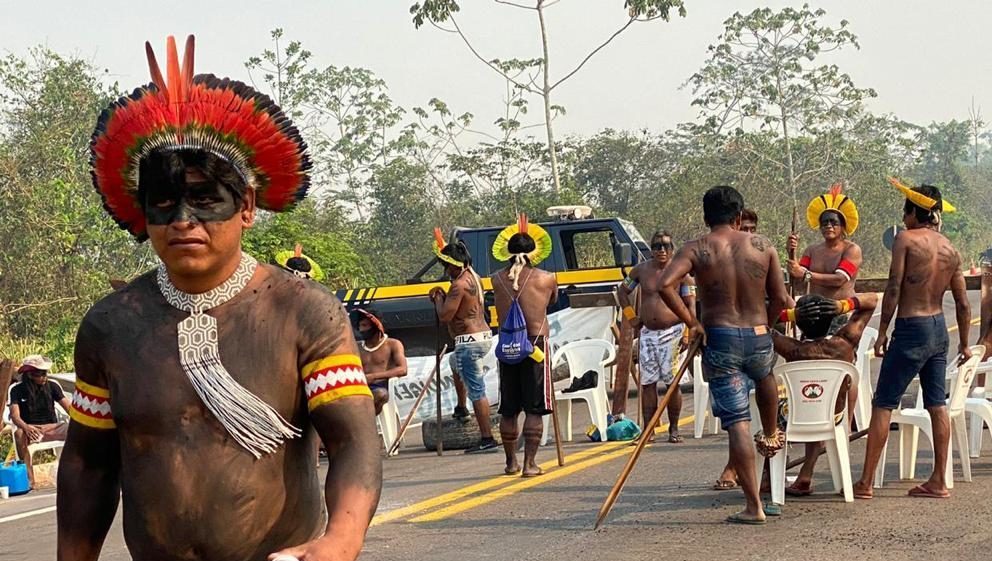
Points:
(499, 487)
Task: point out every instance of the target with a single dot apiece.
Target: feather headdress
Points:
(185, 112)
(283, 257)
(439, 244)
(920, 199)
(542, 241)
(834, 200)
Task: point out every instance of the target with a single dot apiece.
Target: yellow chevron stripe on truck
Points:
(567, 278)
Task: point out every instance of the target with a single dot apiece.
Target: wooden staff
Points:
(437, 373)
(799, 461)
(648, 431)
(554, 422)
(416, 405)
(792, 257)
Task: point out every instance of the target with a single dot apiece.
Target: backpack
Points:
(512, 343)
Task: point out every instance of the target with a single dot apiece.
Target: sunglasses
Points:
(38, 373)
(662, 246)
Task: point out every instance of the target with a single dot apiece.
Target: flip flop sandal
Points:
(864, 496)
(772, 509)
(724, 485)
(538, 474)
(675, 439)
(741, 518)
(923, 493)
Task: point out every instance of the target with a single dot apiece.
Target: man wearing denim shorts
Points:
(740, 286)
(461, 309)
(924, 266)
(661, 333)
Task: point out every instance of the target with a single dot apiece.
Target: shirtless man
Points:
(736, 273)
(924, 265)
(382, 357)
(661, 332)
(829, 268)
(749, 221)
(190, 401)
(462, 310)
(525, 386)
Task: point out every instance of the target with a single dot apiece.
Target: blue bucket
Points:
(14, 476)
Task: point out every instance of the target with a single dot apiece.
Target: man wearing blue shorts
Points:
(924, 266)
(461, 309)
(736, 274)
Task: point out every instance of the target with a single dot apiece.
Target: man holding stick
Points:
(924, 265)
(462, 310)
(526, 385)
(736, 273)
(662, 335)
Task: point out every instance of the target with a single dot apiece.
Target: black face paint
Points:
(203, 201)
(366, 334)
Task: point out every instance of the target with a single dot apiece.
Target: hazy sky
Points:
(926, 59)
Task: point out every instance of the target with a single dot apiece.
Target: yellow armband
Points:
(629, 313)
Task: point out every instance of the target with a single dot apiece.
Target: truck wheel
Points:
(458, 434)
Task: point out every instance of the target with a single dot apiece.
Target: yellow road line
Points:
(500, 480)
(975, 321)
(519, 486)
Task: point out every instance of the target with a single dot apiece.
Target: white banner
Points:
(570, 324)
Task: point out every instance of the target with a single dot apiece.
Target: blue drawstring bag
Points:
(513, 345)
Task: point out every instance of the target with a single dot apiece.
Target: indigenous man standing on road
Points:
(462, 310)
(661, 333)
(196, 381)
(829, 270)
(736, 273)
(32, 408)
(525, 386)
(382, 357)
(924, 266)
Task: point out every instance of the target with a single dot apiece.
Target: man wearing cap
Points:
(382, 356)
(32, 408)
(202, 385)
(924, 266)
(461, 309)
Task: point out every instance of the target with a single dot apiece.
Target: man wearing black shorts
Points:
(525, 386)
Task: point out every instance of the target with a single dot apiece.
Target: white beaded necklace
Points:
(382, 342)
(251, 422)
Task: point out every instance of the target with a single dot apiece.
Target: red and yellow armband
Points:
(331, 378)
(91, 406)
(849, 304)
(787, 315)
(846, 268)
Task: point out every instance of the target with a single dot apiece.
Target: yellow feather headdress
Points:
(836, 201)
(920, 199)
(542, 241)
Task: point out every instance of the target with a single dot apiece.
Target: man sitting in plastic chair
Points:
(813, 315)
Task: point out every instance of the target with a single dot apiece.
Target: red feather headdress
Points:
(203, 112)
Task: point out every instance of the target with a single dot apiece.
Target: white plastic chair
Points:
(582, 356)
(812, 387)
(389, 418)
(865, 353)
(701, 401)
(53, 445)
(980, 411)
(914, 420)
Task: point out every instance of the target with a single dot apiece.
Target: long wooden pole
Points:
(416, 405)
(554, 422)
(611, 499)
(437, 377)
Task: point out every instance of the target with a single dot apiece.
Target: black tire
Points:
(458, 434)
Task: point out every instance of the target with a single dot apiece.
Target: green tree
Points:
(764, 75)
(539, 82)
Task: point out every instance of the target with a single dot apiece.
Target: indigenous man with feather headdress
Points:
(924, 266)
(526, 385)
(197, 382)
(462, 310)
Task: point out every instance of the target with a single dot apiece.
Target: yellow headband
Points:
(440, 244)
(542, 241)
(835, 201)
(919, 199)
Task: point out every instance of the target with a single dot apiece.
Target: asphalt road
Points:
(457, 507)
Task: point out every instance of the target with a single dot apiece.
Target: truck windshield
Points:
(631, 230)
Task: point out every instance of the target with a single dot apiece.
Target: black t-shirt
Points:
(37, 403)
